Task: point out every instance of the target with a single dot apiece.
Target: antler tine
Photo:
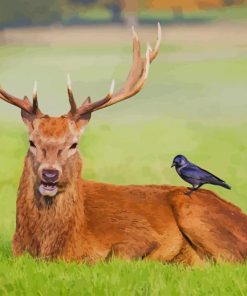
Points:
(137, 61)
(24, 103)
(139, 84)
(72, 102)
(154, 53)
(111, 88)
(35, 95)
(35, 99)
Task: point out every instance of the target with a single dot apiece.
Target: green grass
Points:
(194, 103)
(119, 278)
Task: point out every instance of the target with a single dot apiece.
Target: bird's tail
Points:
(223, 184)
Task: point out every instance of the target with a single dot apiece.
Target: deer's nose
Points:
(50, 176)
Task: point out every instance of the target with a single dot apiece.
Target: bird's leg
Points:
(192, 190)
(189, 192)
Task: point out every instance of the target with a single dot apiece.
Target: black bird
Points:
(195, 175)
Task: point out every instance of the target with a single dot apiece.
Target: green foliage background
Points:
(16, 13)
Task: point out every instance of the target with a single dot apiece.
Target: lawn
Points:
(194, 103)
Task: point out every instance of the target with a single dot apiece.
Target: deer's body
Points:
(60, 215)
(94, 221)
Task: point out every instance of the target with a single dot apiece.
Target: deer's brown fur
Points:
(60, 215)
(89, 221)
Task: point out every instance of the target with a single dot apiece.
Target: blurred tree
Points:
(29, 12)
(115, 9)
(177, 12)
(233, 2)
(131, 8)
(84, 2)
(113, 6)
(229, 2)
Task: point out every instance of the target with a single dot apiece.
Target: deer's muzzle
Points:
(49, 182)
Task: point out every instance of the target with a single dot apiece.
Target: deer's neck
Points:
(47, 227)
(59, 209)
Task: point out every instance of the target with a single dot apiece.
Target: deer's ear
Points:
(27, 119)
(83, 121)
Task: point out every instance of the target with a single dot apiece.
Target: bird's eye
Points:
(32, 144)
(73, 146)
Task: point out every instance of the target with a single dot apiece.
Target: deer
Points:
(62, 216)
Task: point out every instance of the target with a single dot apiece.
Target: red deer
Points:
(62, 216)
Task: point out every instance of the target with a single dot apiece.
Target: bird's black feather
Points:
(209, 173)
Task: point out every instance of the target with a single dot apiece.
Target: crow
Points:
(195, 175)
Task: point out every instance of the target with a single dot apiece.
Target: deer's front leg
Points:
(22, 243)
(17, 247)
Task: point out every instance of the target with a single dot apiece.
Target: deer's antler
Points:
(87, 106)
(133, 84)
(24, 104)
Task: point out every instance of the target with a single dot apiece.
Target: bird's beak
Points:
(172, 165)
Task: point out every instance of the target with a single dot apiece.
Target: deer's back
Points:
(212, 226)
(125, 204)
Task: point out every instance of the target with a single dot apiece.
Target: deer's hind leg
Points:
(174, 248)
(213, 227)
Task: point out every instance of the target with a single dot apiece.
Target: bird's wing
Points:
(209, 174)
(196, 173)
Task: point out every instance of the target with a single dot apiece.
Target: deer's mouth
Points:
(48, 189)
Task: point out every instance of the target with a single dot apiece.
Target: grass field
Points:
(194, 103)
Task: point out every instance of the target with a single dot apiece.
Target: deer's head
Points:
(53, 140)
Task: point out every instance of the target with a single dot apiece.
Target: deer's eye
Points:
(32, 144)
(73, 146)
